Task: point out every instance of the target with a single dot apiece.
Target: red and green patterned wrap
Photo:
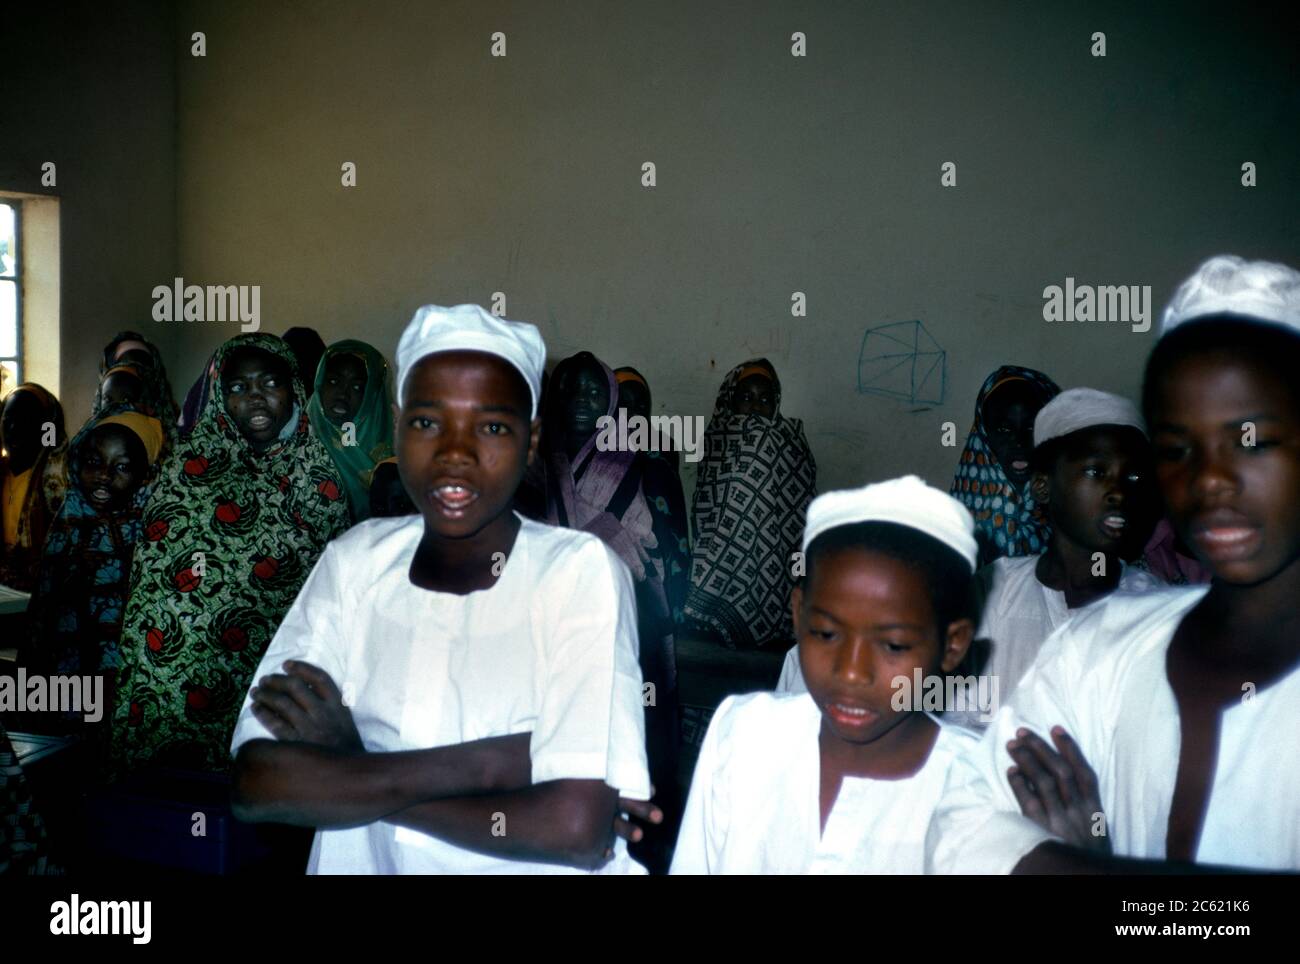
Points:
(194, 633)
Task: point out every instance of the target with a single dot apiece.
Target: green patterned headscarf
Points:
(372, 425)
(193, 634)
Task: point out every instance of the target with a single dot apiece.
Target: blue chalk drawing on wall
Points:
(903, 361)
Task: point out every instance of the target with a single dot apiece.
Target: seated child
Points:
(993, 475)
(76, 611)
(1093, 476)
(123, 384)
(32, 479)
(842, 779)
(78, 606)
(1166, 709)
(602, 491)
(241, 510)
(153, 396)
(663, 494)
(307, 346)
(462, 692)
(754, 484)
(351, 412)
(634, 395)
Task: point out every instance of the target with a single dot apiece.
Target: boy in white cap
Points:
(842, 779)
(1092, 473)
(1172, 714)
(461, 690)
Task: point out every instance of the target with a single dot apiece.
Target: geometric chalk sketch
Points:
(903, 361)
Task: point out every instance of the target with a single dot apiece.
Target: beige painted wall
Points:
(91, 87)
(775, 174)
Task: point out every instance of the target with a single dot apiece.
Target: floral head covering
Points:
(230, 536)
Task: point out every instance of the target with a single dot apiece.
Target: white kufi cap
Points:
(470, 328)
(907, 501)
(1079, 408)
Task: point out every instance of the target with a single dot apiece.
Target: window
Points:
(11, 304)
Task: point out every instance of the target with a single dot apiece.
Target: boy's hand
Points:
(303, 704)
(628, 811)
(1058, 791)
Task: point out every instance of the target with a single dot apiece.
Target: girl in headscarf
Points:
(242, 509)
(600, 491)
(993, 475)
(129, 355)
(754, 485)
(32, 479)
(78, 606)
(352, 389)
(307, 346)
(663, 493)
(76, 611)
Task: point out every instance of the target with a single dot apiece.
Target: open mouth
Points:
(1225, 543)
(1114, 525)
(453, 498)
(1020, 465)
(259, 422)
(851, 716)
(100, 495)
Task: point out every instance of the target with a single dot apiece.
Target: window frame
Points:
(16, 205)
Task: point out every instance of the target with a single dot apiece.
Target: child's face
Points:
(121, 388)
(586, 401)
(1235, 505)
(112, 467)
(1009, 426)
(464, 440)
(343, 388)
(862, 619)
(634, 397)
(20, 427)
(754, 395)
(258, 390)
(1100, 493)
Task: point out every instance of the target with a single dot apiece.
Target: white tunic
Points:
(754, 805)
(550, 649)
(1102, 677)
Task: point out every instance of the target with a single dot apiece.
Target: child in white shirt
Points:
(842, 779)
(1172, 714)
(462, 692)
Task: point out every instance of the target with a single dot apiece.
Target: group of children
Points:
(484, 679)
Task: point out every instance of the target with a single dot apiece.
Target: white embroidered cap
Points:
(906, 501)
(470, 328)
(1080, 408)
(1226, 284)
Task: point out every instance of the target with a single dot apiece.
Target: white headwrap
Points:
(1226, 284)
(470, 328)
(907, 501)
(1080, 408)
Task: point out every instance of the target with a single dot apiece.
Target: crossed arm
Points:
(477, 795)
(1058, 790)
